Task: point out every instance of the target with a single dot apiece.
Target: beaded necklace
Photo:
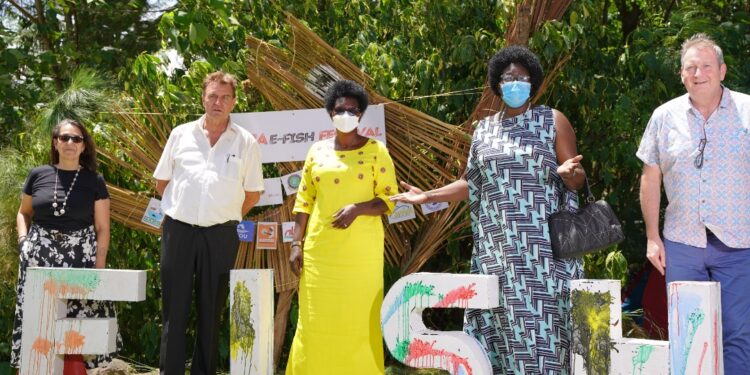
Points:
(67, 194)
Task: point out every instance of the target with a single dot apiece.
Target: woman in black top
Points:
(63, 221)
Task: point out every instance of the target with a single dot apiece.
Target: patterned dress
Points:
(513, 188)
(47, 244)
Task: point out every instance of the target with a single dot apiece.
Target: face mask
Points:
(345, 123)
(515, 93)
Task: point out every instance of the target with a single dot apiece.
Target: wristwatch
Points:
(296, 243)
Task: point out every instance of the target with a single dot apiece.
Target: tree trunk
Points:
(523, 25)
(630, 16)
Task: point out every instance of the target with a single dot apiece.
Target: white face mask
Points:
(346, 122)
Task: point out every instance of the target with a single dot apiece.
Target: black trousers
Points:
(199, 257)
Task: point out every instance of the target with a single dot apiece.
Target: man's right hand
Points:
(655, 253)
(295, 260)
(413, 195)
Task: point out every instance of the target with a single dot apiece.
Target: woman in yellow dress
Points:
(338, 245)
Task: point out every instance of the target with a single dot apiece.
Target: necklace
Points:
(65, 200)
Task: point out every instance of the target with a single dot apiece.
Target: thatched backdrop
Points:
(426, 151)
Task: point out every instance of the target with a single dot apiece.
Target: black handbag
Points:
(593, 227)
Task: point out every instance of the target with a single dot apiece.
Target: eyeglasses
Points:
(65, 138)
(506, 78)
(698, 162)
(350, 111)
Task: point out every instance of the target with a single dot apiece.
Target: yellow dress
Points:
(341, 287)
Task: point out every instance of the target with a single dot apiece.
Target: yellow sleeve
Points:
(385, 177)
(307, 191)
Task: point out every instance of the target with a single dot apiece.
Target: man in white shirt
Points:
(209, 176)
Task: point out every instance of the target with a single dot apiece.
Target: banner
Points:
(287, 231)
(287, 135)
(428, 208)
(402, 212)
(268, 234)
(153, 215)
(246, 231)
(291, 182)
(271, 193)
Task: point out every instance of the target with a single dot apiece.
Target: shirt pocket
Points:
(678, 149)
(232, 167)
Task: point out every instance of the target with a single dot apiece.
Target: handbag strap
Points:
(589, 195)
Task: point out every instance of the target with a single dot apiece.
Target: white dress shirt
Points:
(207, 184)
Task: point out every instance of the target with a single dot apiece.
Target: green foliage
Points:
(401, 44)
(616, 76)
(417, 48)
(87, 95)
(19, 93)
(608, 90)
(14, 165)
(606, 265)
(131, 249)
(39, 51)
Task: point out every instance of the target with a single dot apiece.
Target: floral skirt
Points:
(52, 248)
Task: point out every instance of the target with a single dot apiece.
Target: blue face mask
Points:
(516, 93)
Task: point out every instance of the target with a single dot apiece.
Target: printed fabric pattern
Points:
(513, 189)
(52, 248)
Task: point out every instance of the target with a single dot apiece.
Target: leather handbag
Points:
(593, 227)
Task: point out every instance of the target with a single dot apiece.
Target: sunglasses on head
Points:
(65, 138)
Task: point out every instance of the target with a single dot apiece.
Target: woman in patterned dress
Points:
(522, 165)
(63, 221)
(338, 245)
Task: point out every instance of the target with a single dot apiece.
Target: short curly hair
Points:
(516, 55)
(346, 89)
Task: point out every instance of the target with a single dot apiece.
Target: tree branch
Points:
(630, 16)
(24, 12)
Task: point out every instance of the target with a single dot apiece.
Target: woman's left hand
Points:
(345, 216)
(571, 168)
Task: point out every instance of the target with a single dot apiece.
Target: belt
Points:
(230, 223)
